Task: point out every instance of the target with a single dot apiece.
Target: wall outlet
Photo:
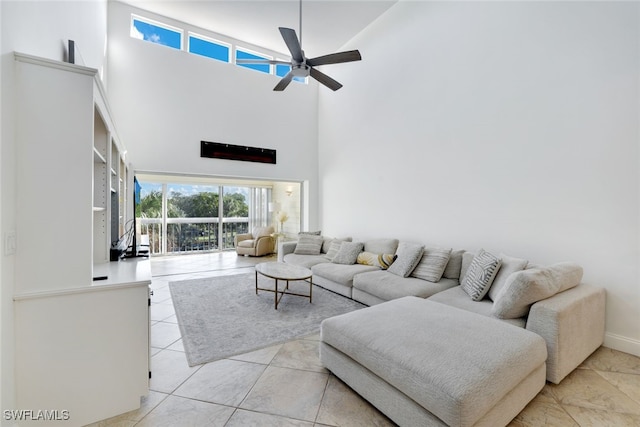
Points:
(10, 242)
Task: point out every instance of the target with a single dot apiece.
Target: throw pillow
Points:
(382, 261)
(409, 255)
(509, 266)
(348, 253)
(334, 247)
(432, 264)
(480, 274)
(328, 240)
(452, 270)
(526, 287)
(308, 245)
(467, 257)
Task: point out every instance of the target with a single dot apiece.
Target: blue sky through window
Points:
(265, 68)
(282, 70)
(156, 34)
(208, 48)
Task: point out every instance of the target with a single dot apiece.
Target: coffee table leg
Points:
(276, 294)
(310, 288)
(256, 283)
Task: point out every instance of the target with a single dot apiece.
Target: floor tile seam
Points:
(616, 387)
(324, 393)
(166, 395)
(226, 405)
(603, 410)
(324, 371)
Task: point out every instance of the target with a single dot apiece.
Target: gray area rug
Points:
(222, 316)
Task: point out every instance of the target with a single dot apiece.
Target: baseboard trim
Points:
(625, 344)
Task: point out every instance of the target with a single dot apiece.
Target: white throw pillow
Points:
(308, 244)
(348, 253)
(432, 264)
(409, 255)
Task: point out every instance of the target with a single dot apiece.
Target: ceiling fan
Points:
(301, 66)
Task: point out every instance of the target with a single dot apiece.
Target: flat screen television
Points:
(136, 246)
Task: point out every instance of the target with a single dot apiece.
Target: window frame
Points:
(255, 53)
(158, 24)
(210, 40)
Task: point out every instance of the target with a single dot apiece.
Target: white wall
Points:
(509, 126)
(39, 28)
(166, 101)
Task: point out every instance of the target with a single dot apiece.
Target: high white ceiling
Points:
(326, 24)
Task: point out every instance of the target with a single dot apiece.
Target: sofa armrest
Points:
(265, 245)
(572, 324)
(241, 237)
(286, 248)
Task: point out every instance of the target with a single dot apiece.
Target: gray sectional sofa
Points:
(531, 323)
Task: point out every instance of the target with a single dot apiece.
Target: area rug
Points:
(222, 316)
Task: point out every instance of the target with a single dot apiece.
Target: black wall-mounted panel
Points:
(217, 150)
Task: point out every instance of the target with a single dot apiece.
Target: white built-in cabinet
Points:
(82, 345)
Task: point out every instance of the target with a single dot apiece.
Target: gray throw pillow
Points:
(308, 245)
(348, 253)
(509, 265)
(409, 255)
(334, 247)
(480, 274)
(526, 287)
(432, 264)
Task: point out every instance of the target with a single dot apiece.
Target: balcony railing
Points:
(188, 235)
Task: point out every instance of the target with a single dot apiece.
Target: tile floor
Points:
(285, 385)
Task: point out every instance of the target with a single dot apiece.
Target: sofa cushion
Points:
(409, 255)
(455, 363)
(467, 257)
(509, 265)
(340, 273)
(305, 260)
(381, 246)
(526, 287)
(456, 297)
(382, 261)
(480, 275)
(452, 270)
(387, 286)
(249, 243)
(348, 253)
(432, 264)
(308, 244)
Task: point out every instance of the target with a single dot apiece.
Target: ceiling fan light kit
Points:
(301, 66)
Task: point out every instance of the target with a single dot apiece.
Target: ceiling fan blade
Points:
(335, 58)
(324, 79)
(284, 82)
(262, 61)
(291, 40)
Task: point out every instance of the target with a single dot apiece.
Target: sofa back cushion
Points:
(326, 243)
(381, 246)
(452, 270)
(262, 232)
(526, 287)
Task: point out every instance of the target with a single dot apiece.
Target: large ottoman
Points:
(424, 363)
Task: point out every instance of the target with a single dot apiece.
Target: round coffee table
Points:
(286, 272)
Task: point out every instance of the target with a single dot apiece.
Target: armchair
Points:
(258, 243)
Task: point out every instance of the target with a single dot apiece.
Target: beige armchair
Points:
(258, 243)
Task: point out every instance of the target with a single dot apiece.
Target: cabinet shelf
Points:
(97, 157)
(99, 209)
